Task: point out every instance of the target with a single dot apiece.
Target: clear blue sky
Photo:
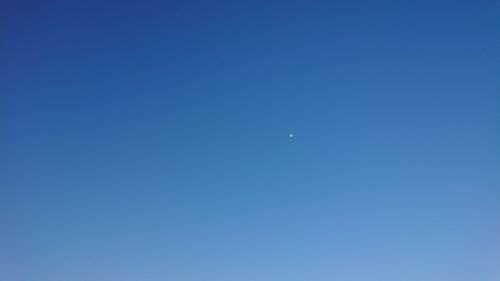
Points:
(148, 140)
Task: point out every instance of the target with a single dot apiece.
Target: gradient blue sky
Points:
(149, 141)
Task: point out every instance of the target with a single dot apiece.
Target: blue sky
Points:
(149, 140)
